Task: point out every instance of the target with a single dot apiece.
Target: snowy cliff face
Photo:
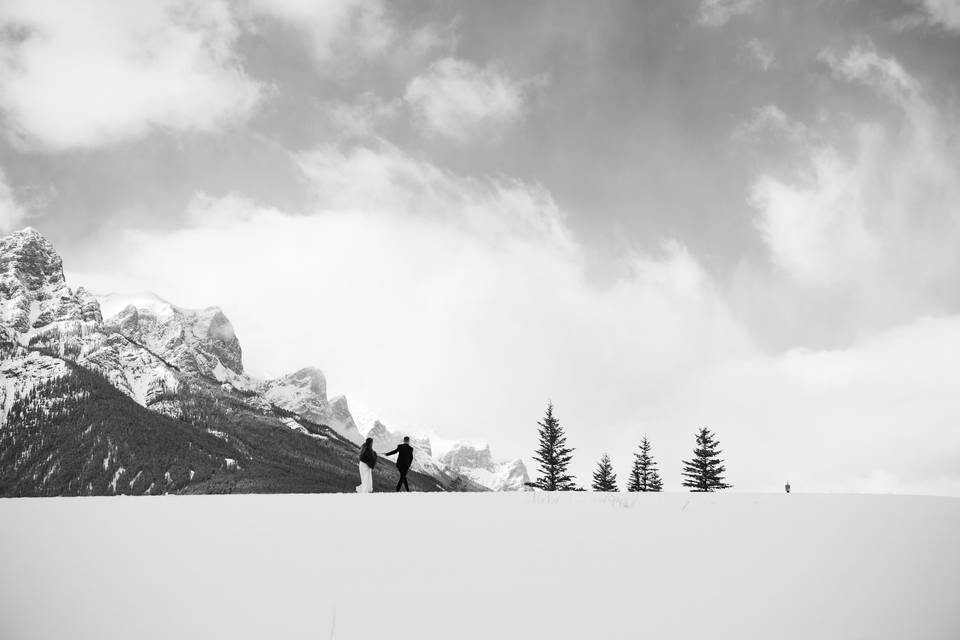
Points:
(477, 463)
(202, 342)
(142, 351)
(305, 392)
(337, 416)
(33, 291)
(20, 374)
(196, 341)
(39, 310)
(464, 455)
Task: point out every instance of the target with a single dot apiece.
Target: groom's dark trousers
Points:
(403, 478)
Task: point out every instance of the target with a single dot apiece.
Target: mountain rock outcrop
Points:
(305, 392)
(477, 463)
(199, 342)
(33, 291)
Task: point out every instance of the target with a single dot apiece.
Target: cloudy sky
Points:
(740, 214)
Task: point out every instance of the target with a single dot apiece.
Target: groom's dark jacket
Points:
(404, 455)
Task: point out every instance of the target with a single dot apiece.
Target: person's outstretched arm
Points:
(390, 453)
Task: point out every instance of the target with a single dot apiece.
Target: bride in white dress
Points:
(368, 460)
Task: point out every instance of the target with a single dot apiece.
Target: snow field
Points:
(520, 565)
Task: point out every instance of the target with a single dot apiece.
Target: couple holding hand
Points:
(368, 460)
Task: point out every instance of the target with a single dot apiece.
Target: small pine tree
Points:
(604, 479)
(554, 455)
(705, 471)
(644, 475)
(656, 484)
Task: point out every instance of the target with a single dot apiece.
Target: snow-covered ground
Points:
(525, 565)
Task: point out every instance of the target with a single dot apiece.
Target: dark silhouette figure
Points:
(787, 487)
(368, 460)
(404, 460)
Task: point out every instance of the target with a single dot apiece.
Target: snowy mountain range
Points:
(171, 360)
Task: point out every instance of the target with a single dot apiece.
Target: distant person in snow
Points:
(787, 487)
(404, 460)
(368, 460)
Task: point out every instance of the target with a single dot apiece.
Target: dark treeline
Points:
(704, 472)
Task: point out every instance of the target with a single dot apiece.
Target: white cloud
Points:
(817, 230)
(943, 12)
(885, 74)
(342, 35)
(880, 219)
(12, 213)
(760, 53)
(456, 99)
(716, 13)
(90, 73)
(771, 120)
(364, 116)
(385, 179)
(333, 27)
(430, 39)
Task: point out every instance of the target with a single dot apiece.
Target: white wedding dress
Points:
(366, 479)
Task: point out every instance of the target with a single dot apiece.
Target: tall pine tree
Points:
(705, 471)
(644, 475)
(604, 479)
(554, 455)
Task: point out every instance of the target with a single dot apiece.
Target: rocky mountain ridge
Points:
(478, 464)
(305, 392)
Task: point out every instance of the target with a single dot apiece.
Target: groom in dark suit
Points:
(404, 460)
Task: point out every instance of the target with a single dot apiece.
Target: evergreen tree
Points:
(644, 475)
(554, 455)
(604, 479)
(656, 484)
(705, 471)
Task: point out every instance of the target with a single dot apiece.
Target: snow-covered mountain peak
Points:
(111, 304)
(301, 388)
(305, 392)
(33, 249)
(312, 379)
(443, 446)
(198, 341)
(379, 430)
(33, 290)
(339, 403)
(31, 271)
(467, 455)
(474, 460)
(28, 235)
(203, 341)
